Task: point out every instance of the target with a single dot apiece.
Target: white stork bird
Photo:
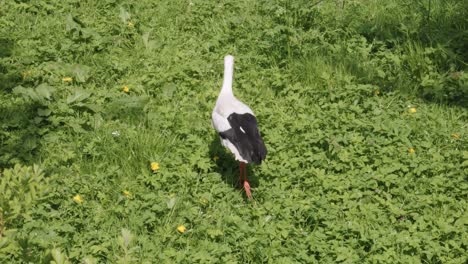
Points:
(237, 127)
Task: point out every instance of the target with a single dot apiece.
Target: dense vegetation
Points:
(107, 154)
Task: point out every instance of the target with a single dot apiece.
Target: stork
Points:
(237, 127)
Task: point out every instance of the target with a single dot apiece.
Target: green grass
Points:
(332, 86)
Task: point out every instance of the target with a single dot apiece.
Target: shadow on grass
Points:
(8, 78)
(227, 166)
(19, 134)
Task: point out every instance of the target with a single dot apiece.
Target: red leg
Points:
(246, 183)
(245, 172)
(241, 172)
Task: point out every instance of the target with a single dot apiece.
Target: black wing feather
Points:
(244, 135)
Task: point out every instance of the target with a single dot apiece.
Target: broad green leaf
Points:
(78, 96)
(44, 111)
(28, 93)
(124, 15)
(171, 202)
(81, 72)
(71, 24)
(44, 91)
(168, 90)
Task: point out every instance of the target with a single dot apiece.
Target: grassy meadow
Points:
(107, 154)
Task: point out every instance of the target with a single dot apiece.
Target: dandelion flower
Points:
(181, 229)
(77, 198)
(412, 110)
(130, 24)
(126, 193)
(67, 79)
(411, 150)
(455, 136)
(125, 89)
(154, 166)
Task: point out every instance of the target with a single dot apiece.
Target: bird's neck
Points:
(228, 75)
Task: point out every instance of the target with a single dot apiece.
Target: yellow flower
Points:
(412, 110)
(127, 193)
(67, 79)
(154, 166)
(203, 201)
(25, 74)
(215, 158)
(130, 24)
(376, 92)
(77, 198)
(411, 150)
(455, 136)
(181, 229)
(125, 89)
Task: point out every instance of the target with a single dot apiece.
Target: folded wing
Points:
(244, 135)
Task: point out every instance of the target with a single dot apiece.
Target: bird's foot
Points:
(247, 190)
